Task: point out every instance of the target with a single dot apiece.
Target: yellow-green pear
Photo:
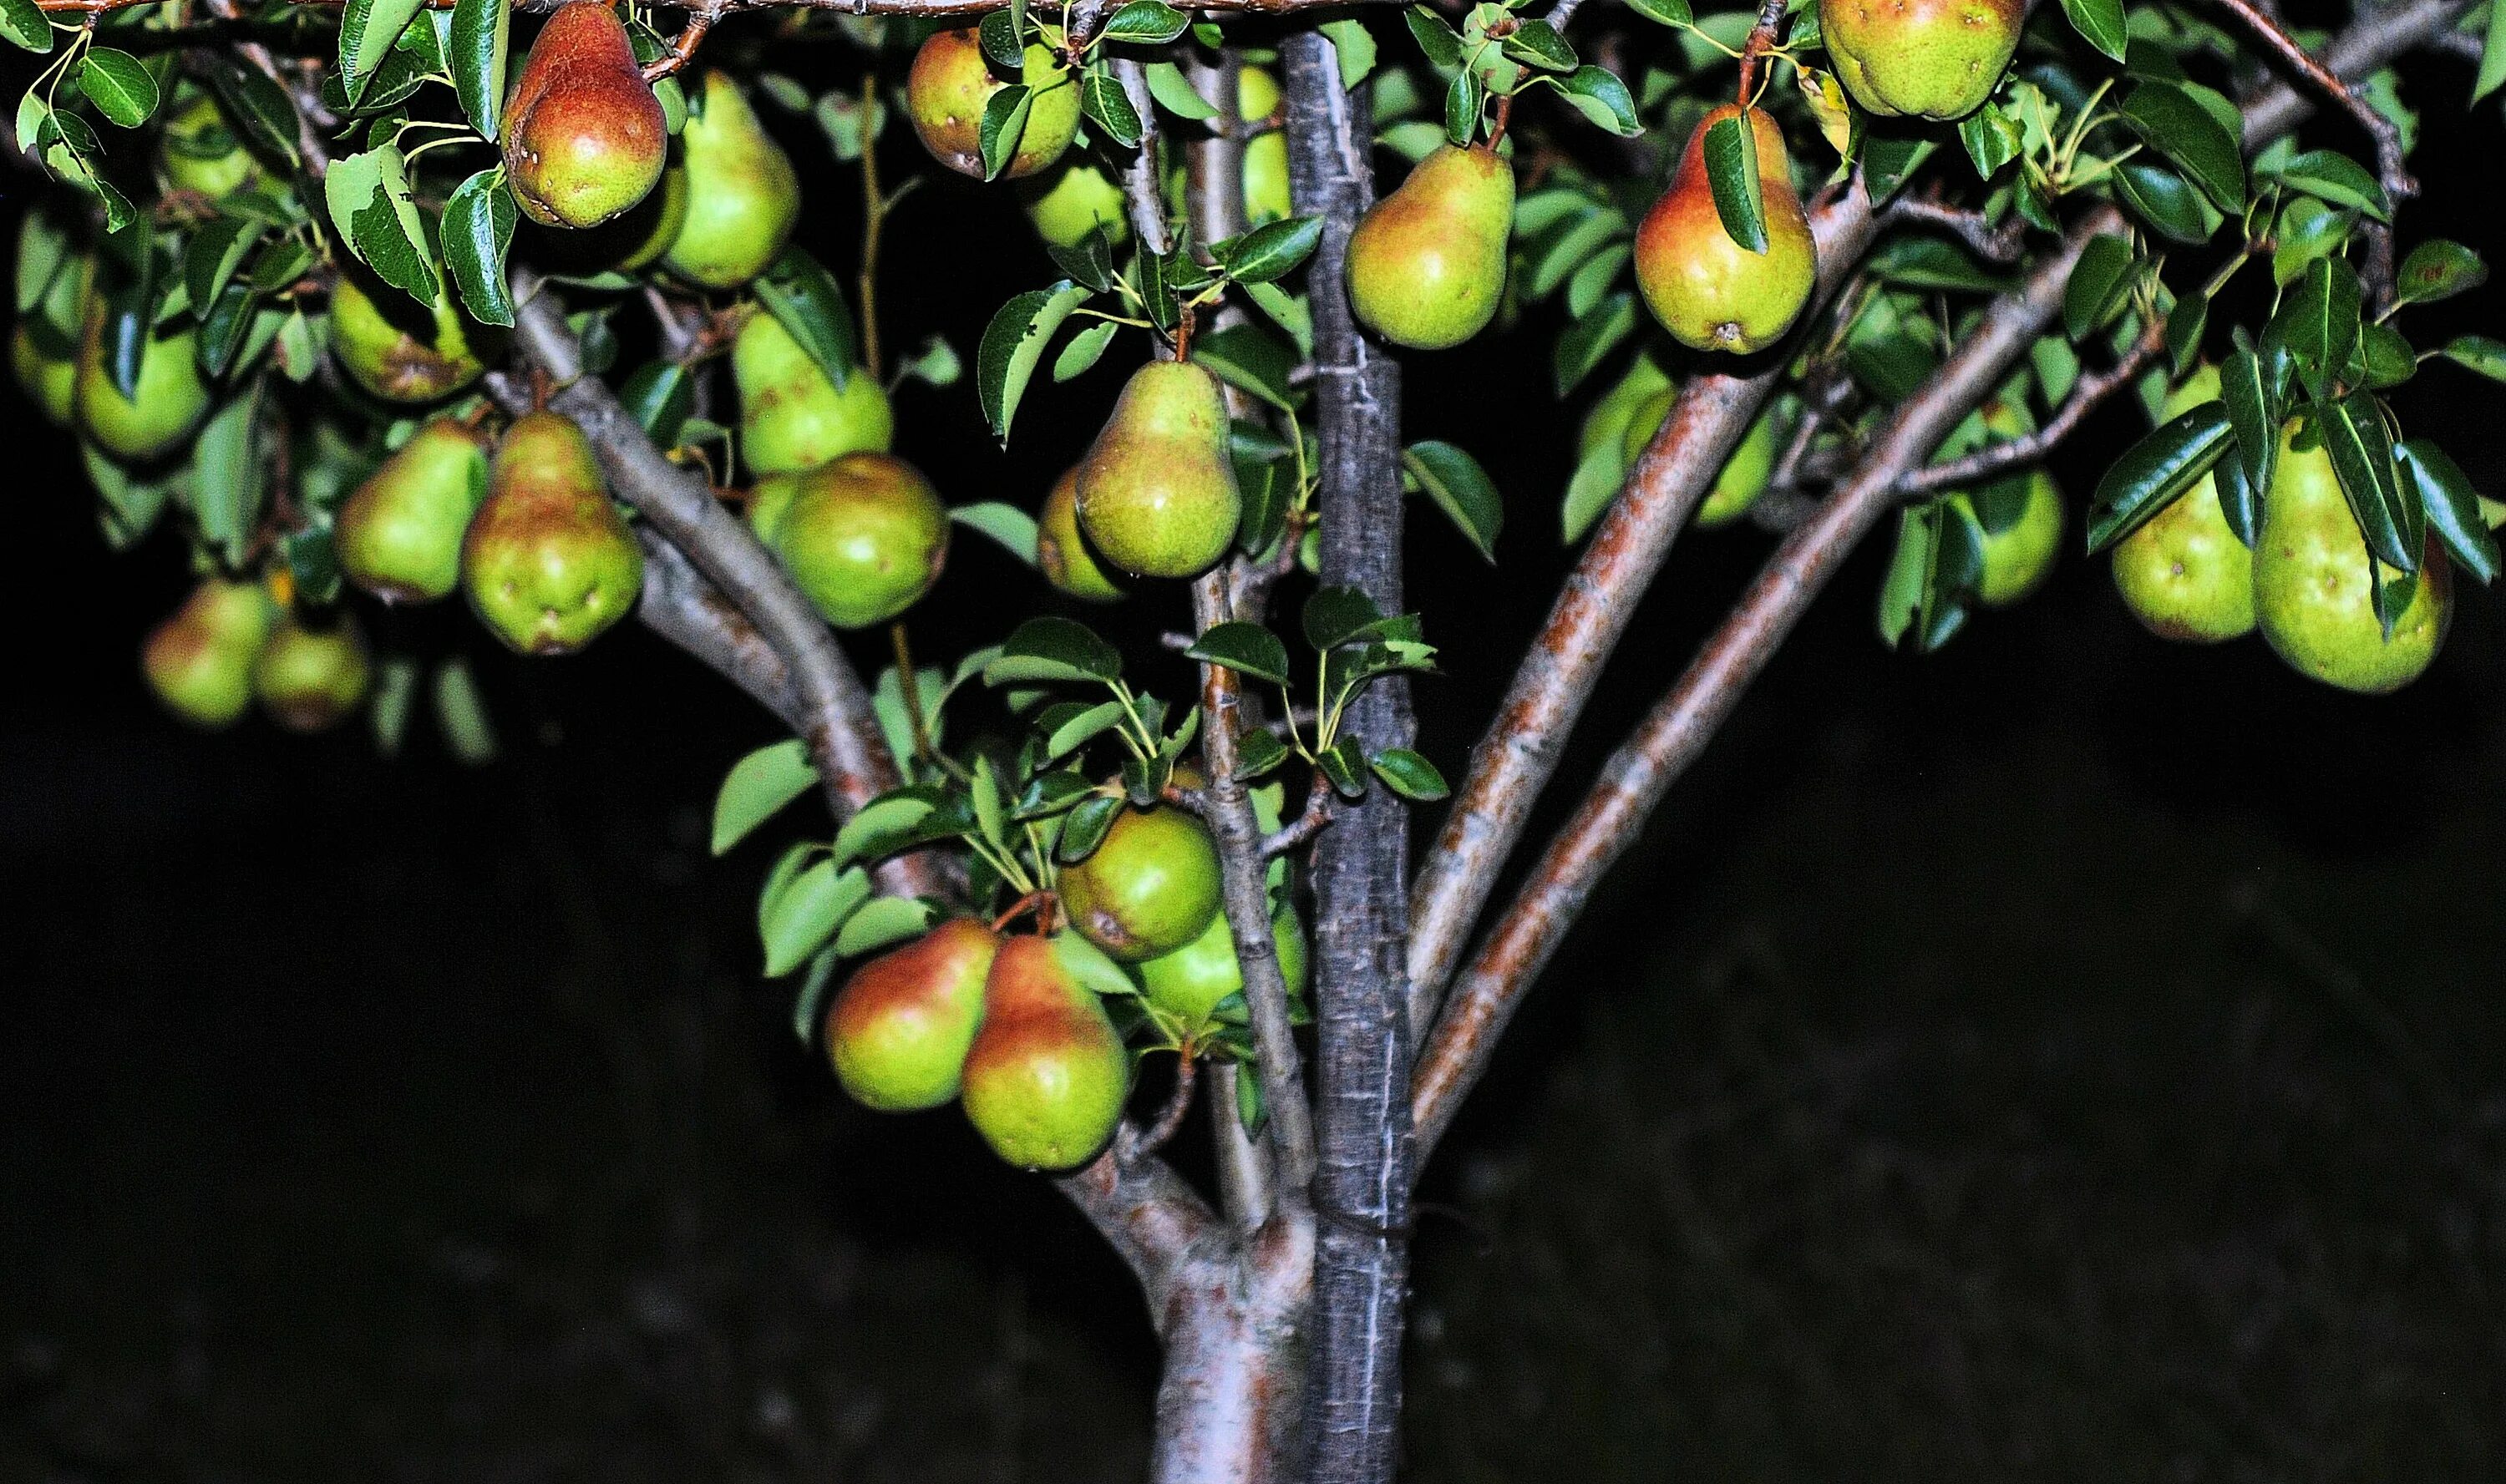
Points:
(742, 194)
(951, 84)
(311, 678)
(900, 1028)
(199, 151)
(399, 534)
(1073, 200)
(1150, 886)
(864, 536)
(1046, 1075)
(1744, 475)
(1426, 265)
(2312, 596)
(2020, 517)
(549, 563)
(1265, 153)
(1936, 59)
(2184, 574)
(199, 661)
(170, 397)
(403, 352)
(1187, 985)
(1707, 290)
(1157, 490)
(49, 382)
(1063, 553)
(791, 417)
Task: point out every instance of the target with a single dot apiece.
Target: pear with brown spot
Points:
(549, 563)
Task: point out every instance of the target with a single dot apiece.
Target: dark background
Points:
(2066, 1056)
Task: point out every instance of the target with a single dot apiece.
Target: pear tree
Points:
(1826, 271)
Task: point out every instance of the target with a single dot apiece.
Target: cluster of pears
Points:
(1426, 265)
(1015, 1027)
(1707, 290)
(951, 84)
(232, 643)
(1936, 59)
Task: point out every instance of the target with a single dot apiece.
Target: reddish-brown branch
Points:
(683, 48)
(1761, 36)
(1997, 459)
(1170, 1118)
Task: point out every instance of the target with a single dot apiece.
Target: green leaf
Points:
(2452, 506)
(1247, 649)
(1564, 246)
(1108, 107)
(2387, 512)
(1460, 488)
(118, 85)
(1047, 650)
(2255, 415)
(2384, 357)
(2492, 55)
(2101, 24)
(805, 299)
(1354, 47)
(1732, 169)
(1273, 249)
(1084, 828)
(1081, 350)
(1408, 774)
(991, 811)
(1003, 126)
(1669, 13)
(1931, 262)
(1011, 527)
(1437, 39)
(891, 823)
(2336, 178)
(1258, 753)
(1075, 726)
(24, 26)
(212, 258)
(478, 230)
(1175, 95)
(1991, 138)
(998, 34)
(1537, 44)
(1248, 356)
(228, 474)
(1598, 476)
(476, 55)
(2176, 126)
(2099, 280)
(757, 787)
(1147, 23)
(2155, 471)
(1464, 97)
(1585, 343)
(809, 1004)
(2319, 323)
(368, 31)
(660, 396)
(2166, 201)
(2438, 269)
(1013, 343)
(2479, 353)
(461, 715)
(370, 202)
(1601, 98)
(1343, 766)
(883, 921)
(2185, 323)
(806, 912)
(1335, 616)
(1089, 262)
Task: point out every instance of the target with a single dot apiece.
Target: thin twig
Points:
(1296, 832)
(1169, 1119)
(1761, 36)
(683, 48)
(1997, 459)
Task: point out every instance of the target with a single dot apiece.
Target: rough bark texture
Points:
(1362, 1114)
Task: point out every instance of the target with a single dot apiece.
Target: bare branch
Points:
(1149, 1214)
(1294, 834)
(1997, 459)
(1141, 189)
(1157, 1136)
(2002, 244)
(679, 605)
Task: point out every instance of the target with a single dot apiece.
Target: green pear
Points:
(1265, 153)
(1187, 984)
(1936, 59)
(403, 352)
(2020, 517)
(2184, 574)
(311, 679)
(549, 563)
(1060, 551)
(1073, 200)
(742, 194)
(200, 151)
(584, 137)
(791, 417)
(169, 396)
(1150, 886)
(768, 502)
(2311, 582)
(1426, 265)
(951, 84)
(399, 533)
(199, 661)
(49, 382)
(864, 536)
(900, 1028)
(1157, 490)
(1708, 290)
(1046, 1075)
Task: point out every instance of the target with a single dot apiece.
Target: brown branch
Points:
(1165, 1232)
(1141, 189)
(1296, 832)
(1997, 459)
(2002, 245)
(682, 47)
(1762, 37)
(1170, 1117)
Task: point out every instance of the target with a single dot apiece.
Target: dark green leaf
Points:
(1248, 356)
(2318, 322)
(2478, 352)
(1930, 263)
(475, 53)
(2100, 24)
(1409, 774)
(368, 31)
(2160, 197)
(228, 476)
(2384, 357)
(22, 25)
(1273, 249)
(1732, 171)
(477, 230)
(215, 254)
(1460, 488)
(1108, 107)
(1585, 343)
(1084, 828)
(1003, 124)
(1671, 13)
(1537, 44)
(1258, 753)
(805, 301)
(1174, 94)
(2492, 55)
(2389, 513)
(2184, 326)
(371, 203)
(1436, 38)
(1463, 97)
(2176, 126)
(1992, 139)
(2338, 179)
(2438, 269)
(1091, 262)
(2240, 504)
(2254, 412)
(1046, 650)
(1335, 616)
(1248, 649)
(1344, 764)
(997, 36)
(661, 396)
(1011, 344)
(1149, 22)
(118, 85)
(1601, 98)
(2155, 471)
(2099, 282)
(2452, 507)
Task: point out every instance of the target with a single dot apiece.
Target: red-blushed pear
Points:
(584, 137)
(1426, 265)
(402, 351)
(950, 85)
(2312, 592)
(791, 417)
(1936, 59)
(1187, 985)
(311, 678)
(199, 661)
(399, 534)
(549, 563)
(1157, 490)
(1046, 1074)
(1059, 549)
(900, 1028)
(742, 194)
(864, 535)
(1707, 290)
(1150, 887)
(2184, 574)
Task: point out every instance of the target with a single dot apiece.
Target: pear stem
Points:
(1761, 36)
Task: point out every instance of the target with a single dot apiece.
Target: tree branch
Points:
(1151, 1218)
(679, 605)
(2000, 244)
(1997, 459)
(1141, 189)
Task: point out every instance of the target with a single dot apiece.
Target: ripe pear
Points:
(791, 417)
(2311, 582)
(198, 150)
(49, 382)
(169, 395)
(199, 661)
(1073, 200)
(1708, 290)
(1149, 888)
(742, 194)
(951, 84)
(1936, 60)
(399, 534)
(1059, 549)
(1157, 490)
(864, 536)
(1426, 265)
(311, 678)
(547, 562)
(2184, 574)
(1187, 984)
(899, 1029)
(1265, 153)
(584, 137)
(1046, 1074)
(400, 351)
